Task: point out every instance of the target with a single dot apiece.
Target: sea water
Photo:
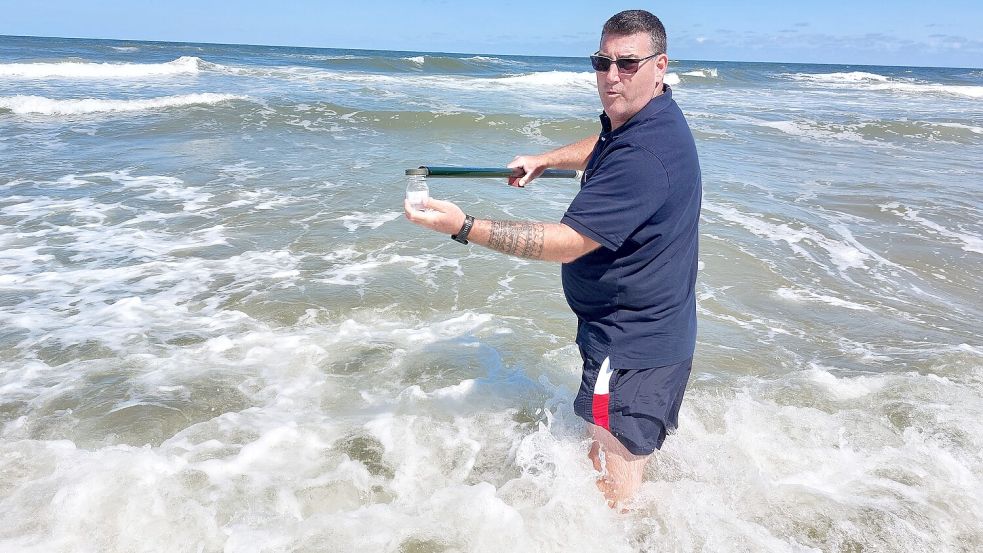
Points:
(219, 333)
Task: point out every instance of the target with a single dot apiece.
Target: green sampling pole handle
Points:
(486, 172)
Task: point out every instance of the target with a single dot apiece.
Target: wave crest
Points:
(875, 82)
(708, 73)
(185, 65)
(841, 77)
(39, 105)
(552, 78)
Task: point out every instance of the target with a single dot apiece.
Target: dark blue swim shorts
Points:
(638, 406)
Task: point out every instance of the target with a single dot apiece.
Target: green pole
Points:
(485, 172)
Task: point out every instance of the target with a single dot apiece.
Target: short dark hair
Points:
(630, 22)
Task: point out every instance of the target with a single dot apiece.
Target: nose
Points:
(612, 74)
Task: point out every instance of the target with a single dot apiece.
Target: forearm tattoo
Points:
(518, 238)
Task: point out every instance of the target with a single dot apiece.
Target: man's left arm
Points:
(528, 239)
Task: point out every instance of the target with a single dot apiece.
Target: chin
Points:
(615, 108)
(619, 113)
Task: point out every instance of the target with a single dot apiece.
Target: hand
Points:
(525, 169)
(443, 217)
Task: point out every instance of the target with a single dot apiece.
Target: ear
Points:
(662, 62)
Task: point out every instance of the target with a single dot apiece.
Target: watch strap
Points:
(462, 235)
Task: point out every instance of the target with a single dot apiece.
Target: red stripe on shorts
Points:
(599, 408)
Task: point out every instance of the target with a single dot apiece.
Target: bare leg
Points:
(621, 470)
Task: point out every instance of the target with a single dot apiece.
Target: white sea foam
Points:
(971, 128)
(24, 105)
(114, 306)
(921, 88)
(416, 60)
(126, 49)
(817, 465)
(357, 220)
(875, 82)
(708, 73)
(671, 79)
(545, 84)
(871, 133)
(325, 57)
(846, 388)
(551, 81)
(356, 268)
(492, 59)
(845, 254)
(546, 79)
(969, 242)
(813, 130)
(809, 296)
(185, 65)
(533, 131)
(840, 77)
(370, 431)
(155, 187)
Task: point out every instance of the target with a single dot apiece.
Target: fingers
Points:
(532, 171)
(525, 179)
(417, 216)
(440, 205)
(522, 167)
(431, 207)
(436, 215)
(518, 170)
(526, 168)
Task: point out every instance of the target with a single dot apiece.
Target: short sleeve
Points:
(619, 195)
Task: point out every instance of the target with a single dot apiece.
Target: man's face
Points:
(623, 94)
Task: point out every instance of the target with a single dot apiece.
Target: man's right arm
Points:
(571, 156)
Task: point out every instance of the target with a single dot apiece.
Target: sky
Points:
(864, 32)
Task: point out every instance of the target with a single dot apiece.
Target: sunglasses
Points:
(625, 65)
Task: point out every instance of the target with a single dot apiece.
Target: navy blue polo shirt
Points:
(639, 198)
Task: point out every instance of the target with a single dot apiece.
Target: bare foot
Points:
(603, 483)
(621, 470)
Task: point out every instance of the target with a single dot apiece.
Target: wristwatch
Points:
(462, 235)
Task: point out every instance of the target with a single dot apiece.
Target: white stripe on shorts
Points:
(603, 378)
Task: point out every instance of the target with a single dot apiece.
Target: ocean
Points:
(219, 333)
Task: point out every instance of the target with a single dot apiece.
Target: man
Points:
(628, 244)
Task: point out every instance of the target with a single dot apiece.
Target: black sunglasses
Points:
(625, 65)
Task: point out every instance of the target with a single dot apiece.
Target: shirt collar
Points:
(654, 106)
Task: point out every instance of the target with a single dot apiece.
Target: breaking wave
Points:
(874, 82)
(185, 65)
(24, 105)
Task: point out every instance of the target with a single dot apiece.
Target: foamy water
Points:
(217, 332)
(46, 106)
(86, 70)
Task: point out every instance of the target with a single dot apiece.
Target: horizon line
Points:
(473, 53)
